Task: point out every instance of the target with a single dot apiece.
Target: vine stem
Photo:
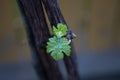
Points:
(38, 34)
(55, 16)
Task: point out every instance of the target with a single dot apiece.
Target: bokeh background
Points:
(96, 24)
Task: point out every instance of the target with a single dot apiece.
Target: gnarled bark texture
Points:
(38, 34)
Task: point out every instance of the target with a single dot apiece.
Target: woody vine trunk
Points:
(38, 34)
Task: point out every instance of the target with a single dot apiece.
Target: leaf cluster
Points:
(58, 45)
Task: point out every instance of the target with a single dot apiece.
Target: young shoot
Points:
(58, 45)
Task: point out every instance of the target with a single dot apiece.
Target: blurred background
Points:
(96, 24)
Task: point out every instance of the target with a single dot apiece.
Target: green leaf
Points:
(60, 30)
(57, 56)
(57, 47)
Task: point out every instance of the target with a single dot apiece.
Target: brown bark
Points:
(38, 35)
